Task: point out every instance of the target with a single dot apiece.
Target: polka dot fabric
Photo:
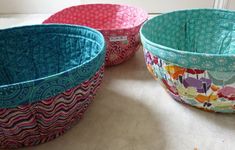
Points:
(120, 25)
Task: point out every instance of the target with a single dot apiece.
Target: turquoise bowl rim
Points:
(98, 60)
(159, 50)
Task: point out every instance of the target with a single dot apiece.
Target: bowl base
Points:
(196, 107)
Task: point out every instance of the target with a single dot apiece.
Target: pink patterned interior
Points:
(101, 16)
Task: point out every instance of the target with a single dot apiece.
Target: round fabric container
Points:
(192, 52)
(48, 76)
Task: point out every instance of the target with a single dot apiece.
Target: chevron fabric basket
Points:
(120, 25)
(192, 52)
(48, 76)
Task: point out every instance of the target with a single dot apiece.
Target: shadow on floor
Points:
(113, 122)
(132, 69)
(221, 120)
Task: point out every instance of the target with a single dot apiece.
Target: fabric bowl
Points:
(192, 52)
(48, 76)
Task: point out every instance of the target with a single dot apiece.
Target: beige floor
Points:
(132, 112)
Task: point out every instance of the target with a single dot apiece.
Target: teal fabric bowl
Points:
(41, 61)
(192, 52)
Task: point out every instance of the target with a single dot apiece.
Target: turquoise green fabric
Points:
(200, 38)
(41, 61)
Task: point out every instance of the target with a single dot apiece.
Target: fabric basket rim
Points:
(30, 89)
(123, 29)
(154, 45)
(62, 72)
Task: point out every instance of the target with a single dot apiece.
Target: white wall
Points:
(35, 6)
(231, 4)
(152, 6)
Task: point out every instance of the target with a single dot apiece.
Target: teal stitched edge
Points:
(26, 92)
(184, 58)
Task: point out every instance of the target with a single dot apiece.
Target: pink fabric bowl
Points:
(120, 25)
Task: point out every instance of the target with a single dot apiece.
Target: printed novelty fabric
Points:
(205, 89)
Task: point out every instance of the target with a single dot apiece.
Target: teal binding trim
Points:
(41, 61)
(199, 38)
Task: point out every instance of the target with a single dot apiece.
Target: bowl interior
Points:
(100, 16)
(197, 31)
(29, 53)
